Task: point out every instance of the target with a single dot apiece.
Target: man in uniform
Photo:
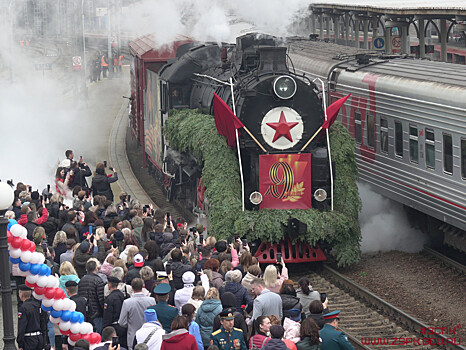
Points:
(166, 313)
(332, 339)
(228, 337)
(29, 313)
(112, 308)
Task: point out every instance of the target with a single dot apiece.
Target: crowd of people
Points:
(147, 281)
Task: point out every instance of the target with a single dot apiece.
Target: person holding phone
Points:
(306, 294)
(109, 340)
(101, 182)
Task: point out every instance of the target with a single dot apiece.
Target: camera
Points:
(323, 297)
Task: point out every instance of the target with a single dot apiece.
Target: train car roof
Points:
(146, 47)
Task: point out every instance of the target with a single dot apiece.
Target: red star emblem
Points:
(282, 128)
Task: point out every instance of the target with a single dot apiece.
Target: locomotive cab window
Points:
(357, 127)
(463, 158)
(413, 144)
(447, 154)
(398, 139)
(163, 96)
(176, 97)
(370, 123)
(430, 149)
(384, 135)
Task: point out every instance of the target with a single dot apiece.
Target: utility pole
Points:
(109, 42)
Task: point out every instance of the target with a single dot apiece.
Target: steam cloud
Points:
(384, 225)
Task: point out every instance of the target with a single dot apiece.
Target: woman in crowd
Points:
(316, 313)
(213, 265)
(209, 308)
(130, 248)
(61, 181)
(147, 275)
(179, 338)
(153, 251)
(253, 272)
(289, 299)
(59, 244)
(244, 262)
(67, 273)
(273, 281)
(147, 229)
(306, 294)
(309, 334)
(188, 311)
(137, 224)
(262, 326)
(101, 182)
(197, 298)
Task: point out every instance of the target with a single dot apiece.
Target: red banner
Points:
(285, 181)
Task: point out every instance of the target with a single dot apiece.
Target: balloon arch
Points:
(45, 287)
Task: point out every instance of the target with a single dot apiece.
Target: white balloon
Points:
(66, 304)
(15, 253)
(42, 281)
(75, 328)
(37, 296)
(65, 326)
(16, 230)
(86, 328)
(36, 257)
(26, 256)
(24, 235)
(73, 306)
(52, 281)
(32, 278)
(41, 258)
(72, 343)
(59, 305)
(9, 246)
(54, 320)
(48, 302)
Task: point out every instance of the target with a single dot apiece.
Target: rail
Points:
(400, 317)
(446, 260)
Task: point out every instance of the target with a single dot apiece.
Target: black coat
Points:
(30, 226)
(91, 287)
(59, 250)
(112, 307)
(101, 185)
(79, 176)
(290, 302)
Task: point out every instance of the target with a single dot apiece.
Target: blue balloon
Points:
(11, 222)
(45, 308)
(66, 315)
(56, 313)
(15, 261)
(24, 266)
(44, 270)
(75, 317)
(35, 269)
(81, 318)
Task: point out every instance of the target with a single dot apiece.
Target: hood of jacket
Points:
(276, 344)
(290, 302)
(210, 305)
(233, 287)
(176, 336)
(216, 275)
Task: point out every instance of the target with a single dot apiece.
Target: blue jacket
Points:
(65, 278)
(205, 317)
(195, 331)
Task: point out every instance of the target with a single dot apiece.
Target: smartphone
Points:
(168, 217)
(229, 240)
(115, 342)
(199, 247)
(323, 296)
(105, 163)
(168, 268)
(48, 188)
(177, 245)
(279, 258)
(236, 236)
(245, 243)
(128, 198)
(30, 189)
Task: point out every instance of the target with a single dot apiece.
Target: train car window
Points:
(163, 96)
(370, 123)
(357, 127)
(430, 149)
(384, 135)
(413, 144)
(447, 154)
(463, 158)
(398, 139)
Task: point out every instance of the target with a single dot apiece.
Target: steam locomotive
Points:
(280, 109)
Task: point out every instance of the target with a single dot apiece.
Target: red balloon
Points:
(9, 237)
(68, 332)
(40, 290)
(32, 248)
(16, 242)
(59, 293)
(30, 285)
(50, 293)
(25, 244)
(94, 338)
(75, 337)
(86, 337)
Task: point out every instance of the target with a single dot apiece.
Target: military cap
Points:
(162, 288)
(161, 275)
(71, 284)
(228, 314)
(331, 315)
(23, 287)
(112, 279)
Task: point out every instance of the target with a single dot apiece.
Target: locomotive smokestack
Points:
(272, 59)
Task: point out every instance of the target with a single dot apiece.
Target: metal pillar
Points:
(347, 28)
(443, 40)
(404, 38)
(365, 24)
(375, 27)
(356, 33)
(336, 21)
(321, 26)
(422, 38)
(327, 26)
(388, 40)
(313, 23)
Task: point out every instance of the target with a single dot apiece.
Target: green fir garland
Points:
(190, 131)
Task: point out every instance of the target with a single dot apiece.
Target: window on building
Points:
(384, 135)
(398, 139)
(370, 123)
(413, 144)
(463, 158)
(447, 153)
(357, 127)
(430, 148)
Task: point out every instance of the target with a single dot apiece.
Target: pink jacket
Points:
(292, 329)
(278, 285)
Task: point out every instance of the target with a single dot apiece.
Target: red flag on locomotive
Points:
(332, 111)
(226, 121)
(285, 181)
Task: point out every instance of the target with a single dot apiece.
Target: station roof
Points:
(433, 8)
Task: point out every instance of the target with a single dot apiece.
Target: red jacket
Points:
(179, 339)
(24, 218)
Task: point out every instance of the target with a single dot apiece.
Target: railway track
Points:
(446, 261)
(372, 323)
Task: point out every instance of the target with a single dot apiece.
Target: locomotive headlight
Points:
(284, 87)
(255, 198)
(320, 195)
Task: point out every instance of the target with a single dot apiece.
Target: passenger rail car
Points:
(408, 120)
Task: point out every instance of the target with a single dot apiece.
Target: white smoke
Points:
(384, 225)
